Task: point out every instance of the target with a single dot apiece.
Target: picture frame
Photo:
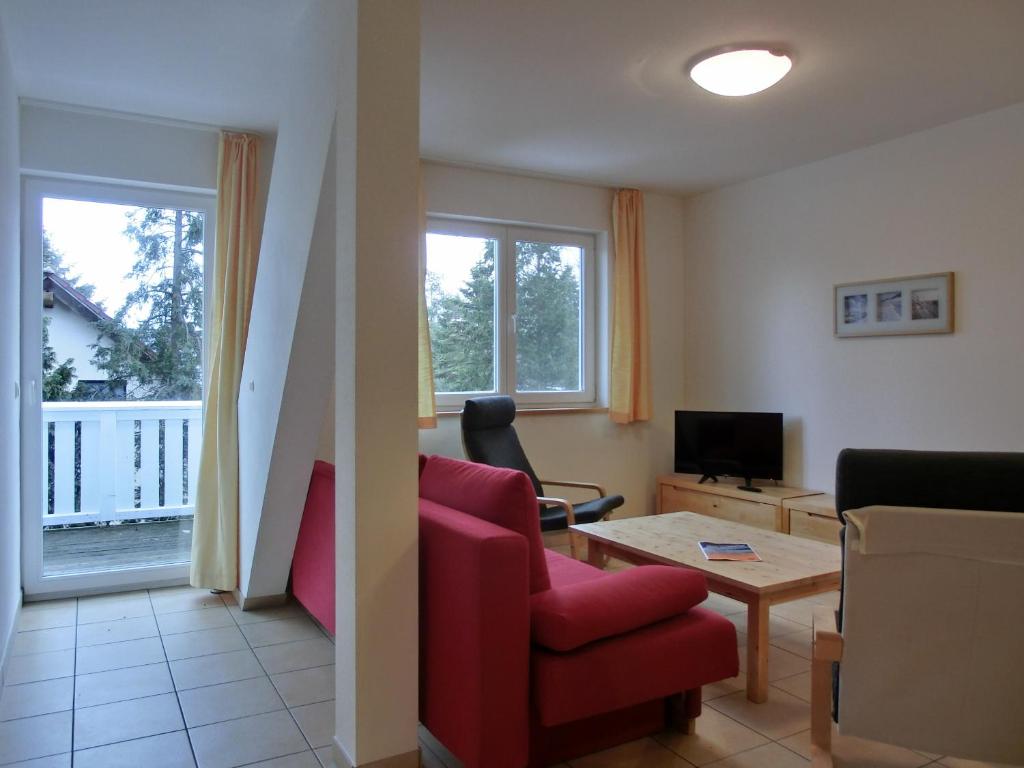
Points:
(898, 306)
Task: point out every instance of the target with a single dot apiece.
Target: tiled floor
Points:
(180, 678)
(170, 678)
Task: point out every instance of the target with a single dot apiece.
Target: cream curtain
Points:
(427, 413)
(215, 529)
(630, 365)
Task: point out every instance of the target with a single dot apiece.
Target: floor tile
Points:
(798, 643)
(723, 605)
(40, 666)
(129, 605)
(33, 737)
(302, 760)
(203, 643)
(168, 750)
(116, 631)
(122, 685)
(644, 752)
(326, 757)
(800, 611)
(248, 740)
(724, 687)
(282, 631)
(768, 756)
(777, 625)
(133, 653)
(33, 699)
(43, 641)
(52, 761)
(798, 685)
(176, 599)
(780, 663)
(47, 615)
(110, 723)
(956, 762)
(716, 736)
(259, 615)
(299, 655)
(782, 715)
(228, 701)
(850, 752)
(215, 669)
(316, 722)
(192, 621)
(305, 686)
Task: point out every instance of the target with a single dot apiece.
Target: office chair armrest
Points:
(570, 515)
(570, 518)
(575, 484)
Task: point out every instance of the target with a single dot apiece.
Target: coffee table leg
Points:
(757, 651)
(595, 553)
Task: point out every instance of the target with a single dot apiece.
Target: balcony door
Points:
(113, 352)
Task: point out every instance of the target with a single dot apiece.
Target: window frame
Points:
(507, 234)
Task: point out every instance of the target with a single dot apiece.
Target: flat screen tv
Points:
(713, 443)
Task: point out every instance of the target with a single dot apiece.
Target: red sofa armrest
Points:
(565, 618)
(474, 637)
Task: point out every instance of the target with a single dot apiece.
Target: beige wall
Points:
(761, 259)
(588, 446)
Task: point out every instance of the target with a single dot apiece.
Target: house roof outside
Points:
(68, 295)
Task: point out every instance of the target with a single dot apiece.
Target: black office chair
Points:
(488, 437)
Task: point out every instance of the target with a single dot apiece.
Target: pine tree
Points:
(157, 334)
(58, 378)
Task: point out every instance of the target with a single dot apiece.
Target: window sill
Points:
(541, 411)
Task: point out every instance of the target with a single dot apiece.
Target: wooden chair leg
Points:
(683, 709)
(827, 648)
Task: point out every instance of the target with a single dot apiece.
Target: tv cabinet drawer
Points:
(811, 526)
(753, 513)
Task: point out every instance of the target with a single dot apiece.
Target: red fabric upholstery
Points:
(313, 561)
(489, 695)
(504, 497)
(474, 637)
(567, 617)
(675, 655)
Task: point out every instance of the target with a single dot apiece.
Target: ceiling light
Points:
(739, 71)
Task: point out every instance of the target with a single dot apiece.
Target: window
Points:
(511, 311)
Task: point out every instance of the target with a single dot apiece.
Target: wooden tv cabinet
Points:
(724, 500)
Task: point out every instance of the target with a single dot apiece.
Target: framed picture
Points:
(900, 306)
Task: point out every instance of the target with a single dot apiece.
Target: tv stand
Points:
(761, 507)
(749, 487)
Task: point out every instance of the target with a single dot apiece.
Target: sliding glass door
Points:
(112, 358)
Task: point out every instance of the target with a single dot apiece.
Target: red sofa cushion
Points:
(688, 651)
(504, 497)
(563, 570)
(567, 617)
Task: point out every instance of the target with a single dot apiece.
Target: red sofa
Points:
(313, 562)
(528, 657)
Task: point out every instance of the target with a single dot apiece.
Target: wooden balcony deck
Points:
(108, 547)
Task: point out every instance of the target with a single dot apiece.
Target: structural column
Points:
(377, 141)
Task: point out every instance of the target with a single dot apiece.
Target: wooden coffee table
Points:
(790, 567)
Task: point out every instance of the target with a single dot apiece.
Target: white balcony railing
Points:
(119, 460)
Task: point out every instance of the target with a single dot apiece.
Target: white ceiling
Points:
(206, 61)
(584, 89)
(595, 89)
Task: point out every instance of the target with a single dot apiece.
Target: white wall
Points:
(761, 260)
(276, 442)
(626, 459)
(10, 260)
(71, 336)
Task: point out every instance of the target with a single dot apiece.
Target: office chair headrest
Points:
(488, 412)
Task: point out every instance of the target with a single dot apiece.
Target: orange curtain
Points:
(215, 527)
(630, 365)
(426, 409)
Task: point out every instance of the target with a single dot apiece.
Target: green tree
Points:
(53, 261)
(58, 378)
(462, 329)
(157, 335)
(547, 323)
(547, 319)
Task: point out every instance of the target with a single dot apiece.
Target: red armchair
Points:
(528, 657)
